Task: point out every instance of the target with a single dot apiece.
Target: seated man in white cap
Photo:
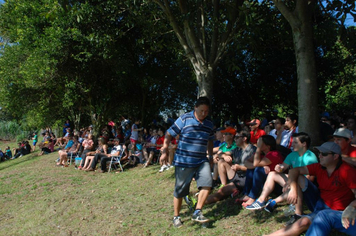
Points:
(332, 203)
(343, 138)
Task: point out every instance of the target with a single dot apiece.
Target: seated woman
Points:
(156, 147)
(87, 146)
(47, 146)
(265, 159)
(63, 140)
(70, 149)
(102, 150)
(149, 148)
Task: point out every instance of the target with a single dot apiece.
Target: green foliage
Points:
(339, 87)
(21, 137)
(9, 130)
(82, 59)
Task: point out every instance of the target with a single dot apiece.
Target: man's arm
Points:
(280, 168)
(237, 167)
(292, 183)
(349, 214)
(349, 160)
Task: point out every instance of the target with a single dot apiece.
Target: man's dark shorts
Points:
(184, 176)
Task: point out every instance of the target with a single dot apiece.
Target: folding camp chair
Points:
(117, 160)
(72, 157)
(75, 154)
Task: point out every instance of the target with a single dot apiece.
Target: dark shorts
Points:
(238, 180)
(184, 176)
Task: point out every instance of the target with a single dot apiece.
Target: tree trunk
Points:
(205, 79)
(307, 82)
(300, 19)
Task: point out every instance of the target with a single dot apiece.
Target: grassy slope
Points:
(38, 198)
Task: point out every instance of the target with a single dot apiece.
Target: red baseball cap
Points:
(229, 130)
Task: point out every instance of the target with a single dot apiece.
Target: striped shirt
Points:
(193, 140)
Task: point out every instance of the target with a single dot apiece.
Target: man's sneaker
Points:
(293, 219)
(177, 222)
(256, 205)
(198, 217)
(163, 168)
(270, 205)
(191, 202)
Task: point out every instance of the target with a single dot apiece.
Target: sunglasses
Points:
(237, 137)
(324, 154)
(226, 134)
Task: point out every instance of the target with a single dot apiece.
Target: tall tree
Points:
(204, 30)
(299, 15)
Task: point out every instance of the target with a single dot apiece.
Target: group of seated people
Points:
(144, 149)
(265, 170)
(7, 155)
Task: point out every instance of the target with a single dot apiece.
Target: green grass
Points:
(38, 198)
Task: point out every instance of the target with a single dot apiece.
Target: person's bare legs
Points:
(215, 171)
(203, 195)
(150, 157)
(299, 206)
(145, 154)
(222, 193)
(295, 229)
(225, 172)
(177, 203)
(272, 178)
(87, 161)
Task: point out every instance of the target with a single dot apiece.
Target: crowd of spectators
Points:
(251, 161)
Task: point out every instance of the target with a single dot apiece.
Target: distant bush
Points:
(9, 130)
(21, 137)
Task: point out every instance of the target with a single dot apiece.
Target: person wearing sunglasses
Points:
(233, 175)
(332, 203)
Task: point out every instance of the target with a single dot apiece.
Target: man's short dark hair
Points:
(246, 134)
(303, 138)
(202, 101)
(269, 141)
(282, 120)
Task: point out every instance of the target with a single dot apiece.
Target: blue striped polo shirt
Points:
(193, 140)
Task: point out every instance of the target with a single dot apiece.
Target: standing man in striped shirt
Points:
(195, 139)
